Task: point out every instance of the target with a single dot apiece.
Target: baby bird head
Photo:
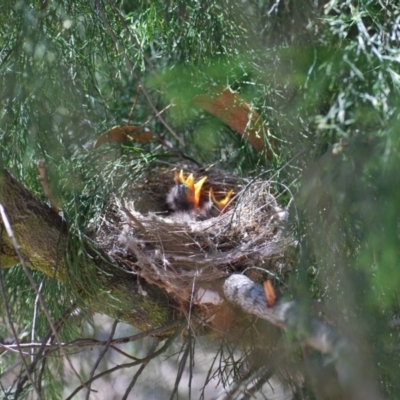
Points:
(186, 193)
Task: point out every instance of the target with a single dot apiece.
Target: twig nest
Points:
(185, 250)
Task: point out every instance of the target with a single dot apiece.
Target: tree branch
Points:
(43, 237)
(353, 371)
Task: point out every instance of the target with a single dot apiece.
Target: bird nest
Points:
(180, 251)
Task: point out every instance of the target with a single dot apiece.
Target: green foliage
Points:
(352, 212)
(360, 80)
(324, 77)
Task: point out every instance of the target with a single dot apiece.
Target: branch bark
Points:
(44, 240)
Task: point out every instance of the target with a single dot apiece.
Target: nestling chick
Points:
(185, 195)
(214, 207)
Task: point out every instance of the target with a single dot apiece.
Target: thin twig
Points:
(139, 372)
(10, 369)
(8, 315)
(134, 104)
(171, 131)
(41, 373)
(181, 369)
(132, 364)
(125, 354)
(159, 113)
(82, 343)
(49, 338)
(17, 249)
(102, 354)
(191, 299)
(35, 312)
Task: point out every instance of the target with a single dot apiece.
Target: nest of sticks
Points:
(179, 252)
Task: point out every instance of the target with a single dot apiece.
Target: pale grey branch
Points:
(354, 372)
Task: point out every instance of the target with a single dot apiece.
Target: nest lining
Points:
(176, 250)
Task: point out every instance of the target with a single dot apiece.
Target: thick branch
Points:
(354, 373)
(43, 238)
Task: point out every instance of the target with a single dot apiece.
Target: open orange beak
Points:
(194, 188)
(221, 204)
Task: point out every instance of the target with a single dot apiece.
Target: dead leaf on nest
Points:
(270, 294)
(124, 134)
